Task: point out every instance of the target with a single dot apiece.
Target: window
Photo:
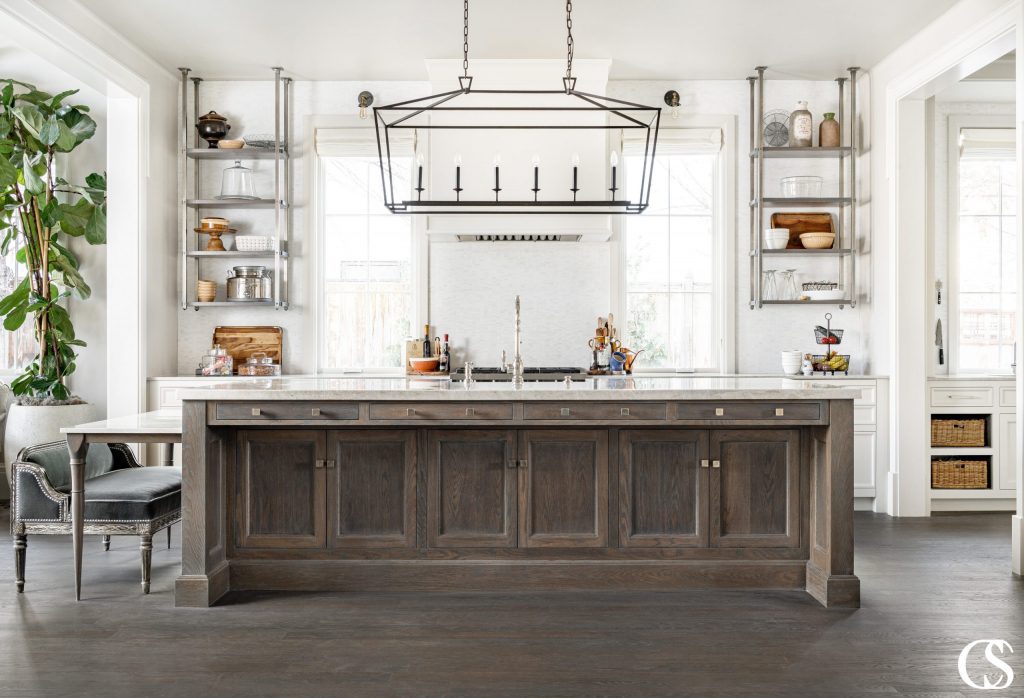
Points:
(983, 255)
(19, 347)
(365, 256)
(672, 273)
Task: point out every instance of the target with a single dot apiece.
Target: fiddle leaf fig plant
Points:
(41, 211)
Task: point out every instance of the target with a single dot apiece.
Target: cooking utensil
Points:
(814, 222)
(938, 340)
(243, 341)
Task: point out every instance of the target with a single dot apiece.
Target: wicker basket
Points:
(959, 474)
(958, 431)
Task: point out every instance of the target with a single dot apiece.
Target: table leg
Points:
(166, 454)
(78, 448)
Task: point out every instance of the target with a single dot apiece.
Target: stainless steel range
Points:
(530, 373)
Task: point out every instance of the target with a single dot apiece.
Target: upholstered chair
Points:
(121, 498)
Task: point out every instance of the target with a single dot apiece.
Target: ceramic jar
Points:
(801, 127)
(828, 131)
(212, 127)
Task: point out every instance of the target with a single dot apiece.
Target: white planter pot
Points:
(30, 426)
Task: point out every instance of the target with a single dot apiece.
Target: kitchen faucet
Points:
(517, 357)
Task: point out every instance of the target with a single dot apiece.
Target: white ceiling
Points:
(389, 39)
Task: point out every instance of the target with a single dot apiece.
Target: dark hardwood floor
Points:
(930, 586)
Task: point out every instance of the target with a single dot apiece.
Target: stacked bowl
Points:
(791, 361)
(776, 238)
(206, 291)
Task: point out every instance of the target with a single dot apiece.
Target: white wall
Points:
(458, 270)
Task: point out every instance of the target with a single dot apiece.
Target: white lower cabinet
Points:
(1007, 460)
(865, 462)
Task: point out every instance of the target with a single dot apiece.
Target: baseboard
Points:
(1017, 544)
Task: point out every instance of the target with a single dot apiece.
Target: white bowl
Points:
(776, 238)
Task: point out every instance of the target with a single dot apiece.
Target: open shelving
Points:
(845, 155)
(193, 151)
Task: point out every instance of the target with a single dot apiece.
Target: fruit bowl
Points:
(831, 363)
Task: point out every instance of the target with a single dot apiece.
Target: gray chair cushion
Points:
(56, 461)
(133, 494)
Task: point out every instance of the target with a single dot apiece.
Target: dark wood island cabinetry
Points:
(494, 490)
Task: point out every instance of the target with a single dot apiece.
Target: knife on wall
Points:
(938, 340)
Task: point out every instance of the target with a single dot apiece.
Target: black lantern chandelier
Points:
(471, 121)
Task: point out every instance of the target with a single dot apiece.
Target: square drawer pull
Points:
(470, 411)
(565, 412)
(410, 411)
(329, 463)
(624, 412)
(255, 411)
(716, 464)
(315, 412)
(780, 412)
(704, 463)
(320, 463)
(719, 412)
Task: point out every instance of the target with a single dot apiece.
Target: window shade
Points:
(988, 144)
(674, 141)
(362, 142)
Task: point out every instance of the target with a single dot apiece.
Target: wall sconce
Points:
(365, 100)
(672, 100)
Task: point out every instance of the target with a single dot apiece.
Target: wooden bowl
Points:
(817, 241)
(425, 364)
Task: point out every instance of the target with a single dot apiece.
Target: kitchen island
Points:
(611, 483)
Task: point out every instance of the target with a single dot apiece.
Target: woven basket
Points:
(959, 474)
(958, 431)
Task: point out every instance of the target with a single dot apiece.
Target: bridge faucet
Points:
(517, 357)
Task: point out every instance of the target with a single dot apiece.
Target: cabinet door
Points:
(564, 488)
(864, 463)
(663, 488)
(755, 488)
(280, 489)
(1007, 456)
(371, 489)
(471, 489)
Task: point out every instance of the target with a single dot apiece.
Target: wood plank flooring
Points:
(929, 587)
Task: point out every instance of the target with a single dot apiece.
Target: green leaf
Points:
(18, 295)
(76, 343)
(32, 181)
(15, 318)
(65, 139)
(5, 125)
(58, 98)
(96, 228)
(50, 131)
(97, 181)
(51, 213)
(7, 95)
(75, 217)
(59, 391)
(30, 118)
(8, 173)
(80, 124)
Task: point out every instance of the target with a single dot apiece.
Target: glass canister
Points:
(217, 362)
(259, 364)
(828, 131)
(801, 127)
(236, 183)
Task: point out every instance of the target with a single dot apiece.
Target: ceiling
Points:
(389, 39)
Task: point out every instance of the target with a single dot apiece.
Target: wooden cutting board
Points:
(797, 223)
(241, 342)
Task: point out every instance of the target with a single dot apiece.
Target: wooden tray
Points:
(815, 222)
(241, 342)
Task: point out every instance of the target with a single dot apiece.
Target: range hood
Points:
(517, 149)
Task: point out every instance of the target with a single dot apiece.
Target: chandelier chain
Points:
(465, 38)
(568, 38)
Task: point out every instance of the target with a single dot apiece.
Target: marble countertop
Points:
(603, 388)
(156, 422)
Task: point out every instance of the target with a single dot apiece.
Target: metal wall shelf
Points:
(844, 155)
(233, 153)
(194, 151)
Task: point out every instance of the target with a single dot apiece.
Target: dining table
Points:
(161, 427)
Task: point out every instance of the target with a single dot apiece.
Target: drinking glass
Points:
(769, 291)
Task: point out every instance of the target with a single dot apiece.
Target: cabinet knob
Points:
(624, 412)
(719, 412)
(470, 411)
(780, 412)
(315, 412)
(255, 411)
(565, 412)
(704, 463)
(320, 463)
(329, 464)
(524, 463)
(410, 411)
(716, 464)
(512, 464)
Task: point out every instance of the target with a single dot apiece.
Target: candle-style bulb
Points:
(458, 160)
(419, 159)
(497, 159)
(536, 160)
(575, 159)
(614, 159)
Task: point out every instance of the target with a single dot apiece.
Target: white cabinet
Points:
(865, 460)
(1007, 460)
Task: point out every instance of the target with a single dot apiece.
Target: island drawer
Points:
(617, 411)
(743, 411)
(270, 411)
(426, 411)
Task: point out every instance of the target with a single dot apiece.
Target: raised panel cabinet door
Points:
(280, 489)
(1007, 456)
(663, 488)
(371, 489)
(563, 499)
(755, 488)
(471, 489)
